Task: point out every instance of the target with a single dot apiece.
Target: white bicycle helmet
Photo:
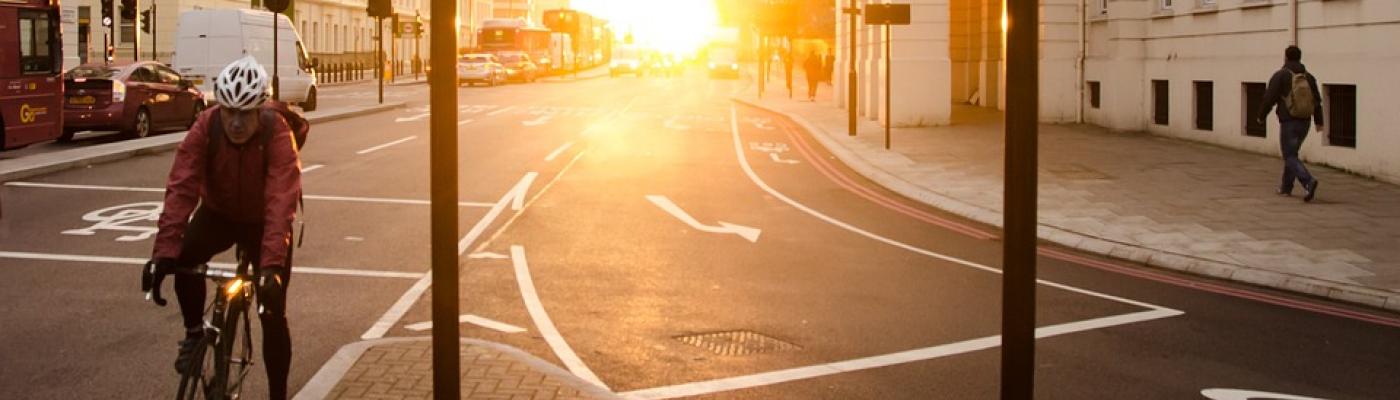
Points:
(242, 85)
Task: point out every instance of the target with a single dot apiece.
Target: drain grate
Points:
(737, 343)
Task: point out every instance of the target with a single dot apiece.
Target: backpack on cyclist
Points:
(1300, 101)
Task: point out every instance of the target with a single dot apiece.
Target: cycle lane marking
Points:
(545, 325)
(366, 273)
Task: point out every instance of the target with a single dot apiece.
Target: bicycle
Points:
(221, 360)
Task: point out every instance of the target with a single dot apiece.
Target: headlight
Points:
(234, 287)
(118, 91)
(544, 61)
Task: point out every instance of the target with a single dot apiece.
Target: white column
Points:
(870, 71)
(921, 68)
(842, 51)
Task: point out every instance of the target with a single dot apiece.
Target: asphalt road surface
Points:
(653, 237)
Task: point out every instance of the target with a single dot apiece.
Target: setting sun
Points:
(676, 27)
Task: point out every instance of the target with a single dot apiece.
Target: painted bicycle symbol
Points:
(131, 218)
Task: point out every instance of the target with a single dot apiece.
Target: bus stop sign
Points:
(887, 14)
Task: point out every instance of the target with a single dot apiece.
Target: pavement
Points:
(1162, 202)
(75, 157)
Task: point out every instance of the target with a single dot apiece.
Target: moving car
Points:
(208, 40)
(136, 98)
(518, 65)
(723, 63)
(480, 68)
(626, 60)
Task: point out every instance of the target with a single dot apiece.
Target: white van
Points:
(208, 40)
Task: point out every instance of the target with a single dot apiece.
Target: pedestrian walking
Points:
(828, 67)
(1295, 92)
(813, 68)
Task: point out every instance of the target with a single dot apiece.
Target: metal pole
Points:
(379, 56)
(1018, 249)
(762, 63)
(851, 72)
(136, 32)
(442, 121)
(276, 78)
(888, 105)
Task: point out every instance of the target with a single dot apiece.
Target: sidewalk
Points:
(54, 161)
(401, 368)
(1162, 202)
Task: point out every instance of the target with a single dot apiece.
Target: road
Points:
(655, 238)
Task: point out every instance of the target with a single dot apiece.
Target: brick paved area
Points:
(1196, 207)
(403, 370)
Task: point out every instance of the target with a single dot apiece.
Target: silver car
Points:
(480, 68)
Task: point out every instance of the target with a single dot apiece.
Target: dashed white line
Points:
(141, 261)
(544, 324)
(411, 118)
(470, 319)
(554, 154)
(386, 145)
(465, 121)
(500, 111)
(379, 200)
(311, 168)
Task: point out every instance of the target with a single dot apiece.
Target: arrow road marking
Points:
(541, 120)
(775, 158)
(1237, 394)
(748, 233)
(471, 319)
(672, 124)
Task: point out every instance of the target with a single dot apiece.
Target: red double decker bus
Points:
(499, 35)
(31, 76)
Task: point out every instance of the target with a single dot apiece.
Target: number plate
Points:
(82, 100)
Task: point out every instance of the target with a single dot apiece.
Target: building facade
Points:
(1191, 69)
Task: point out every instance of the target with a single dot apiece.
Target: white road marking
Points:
(1238, 394)
(858, 364)
(500, 111)
(411, 118)
(470, 319)
(396, 311)
(553, 154)
(540, 120)
(487, 255)
(673, 125)
(542, 322)
(312, 167)
(465, 121)
(142, 261)
(780, 160)
(380, 200)
(386, 145)
(123, 218)
(748, 233)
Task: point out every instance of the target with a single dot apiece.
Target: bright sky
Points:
(675, 26)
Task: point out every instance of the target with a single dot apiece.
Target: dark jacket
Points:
(1279, 86)
(244, 183)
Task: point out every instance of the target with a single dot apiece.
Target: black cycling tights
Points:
(209, 234)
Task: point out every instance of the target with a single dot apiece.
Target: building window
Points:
(1159, 102)
(1207, 3)
(37, 42)
(1252, 94)
(1103, 7)
(1094, 94)
(1341, 115)
(1205, 105)
(1165, 4)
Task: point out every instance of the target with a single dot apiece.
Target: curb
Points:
(406, 83)
(82, 157)
(1343, 292)
(331, 373)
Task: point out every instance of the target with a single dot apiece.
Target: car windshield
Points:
(93, 71)
(476, 60)
(511, 58)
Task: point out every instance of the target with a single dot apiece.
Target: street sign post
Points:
(1018, 247)
(442, 81)
(277, 7)
(887, 15)
(854, 12)
(379, 9)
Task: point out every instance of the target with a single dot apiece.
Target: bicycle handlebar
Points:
(156, 275)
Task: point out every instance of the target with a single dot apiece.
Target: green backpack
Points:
(1300, 101)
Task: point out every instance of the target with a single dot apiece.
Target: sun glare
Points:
(673, 26)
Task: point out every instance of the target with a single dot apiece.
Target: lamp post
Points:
(854, 12)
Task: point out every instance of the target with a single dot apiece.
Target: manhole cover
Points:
(737, 343)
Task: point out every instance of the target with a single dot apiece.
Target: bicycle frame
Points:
(229, 309)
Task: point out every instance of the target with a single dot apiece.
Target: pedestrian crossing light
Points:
(107, 13)
(146, 21)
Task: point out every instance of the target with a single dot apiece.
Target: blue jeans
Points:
(1290, 140)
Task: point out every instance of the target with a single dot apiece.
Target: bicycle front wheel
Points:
(236, 348)
(195, 380)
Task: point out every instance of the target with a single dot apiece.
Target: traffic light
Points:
(128, 9)
(146, 21)
(417, 27)
(107, 13)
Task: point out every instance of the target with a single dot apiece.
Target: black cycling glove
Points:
(152, 274)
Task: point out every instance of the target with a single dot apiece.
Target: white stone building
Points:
(1190, 69)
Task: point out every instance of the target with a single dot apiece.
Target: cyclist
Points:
(238, 173)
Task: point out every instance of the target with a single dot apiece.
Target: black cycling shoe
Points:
(187, 347)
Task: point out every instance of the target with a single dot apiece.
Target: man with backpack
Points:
(1295, 92)
(238, 172)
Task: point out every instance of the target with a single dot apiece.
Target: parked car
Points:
(208, 40)
(136, 98)
(480, 68)
(518, 65)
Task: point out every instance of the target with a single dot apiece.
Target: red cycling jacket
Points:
(237, 183)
